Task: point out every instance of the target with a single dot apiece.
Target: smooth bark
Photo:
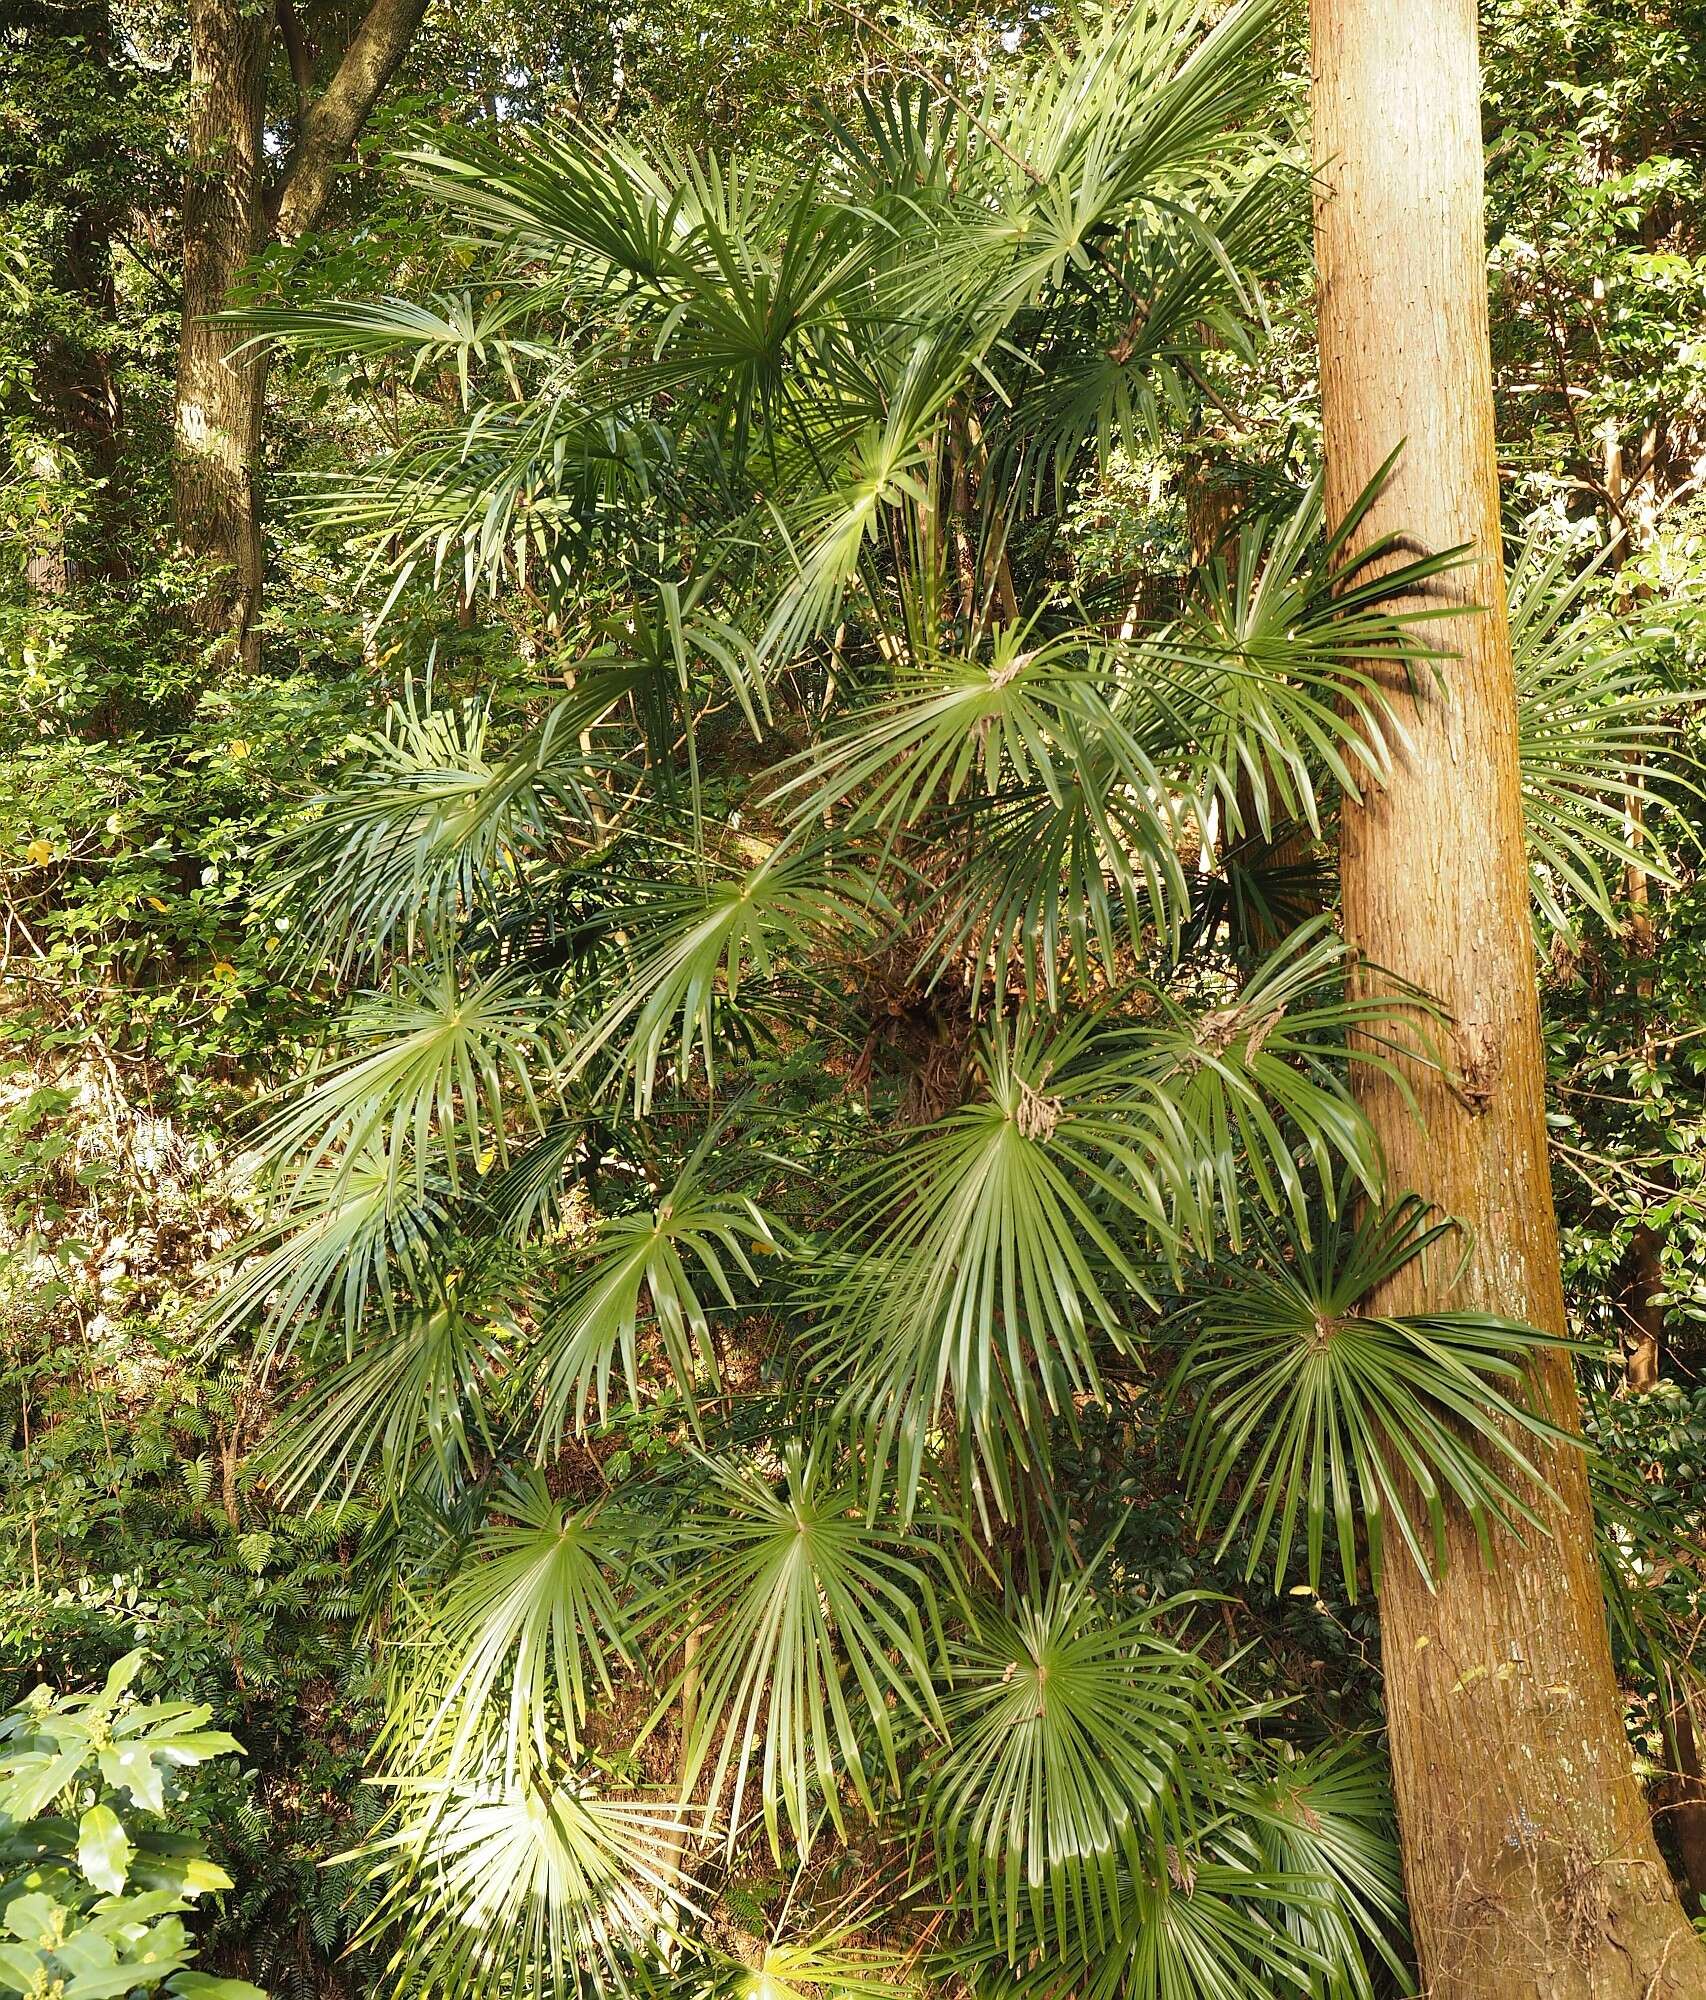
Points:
(1529, 1860)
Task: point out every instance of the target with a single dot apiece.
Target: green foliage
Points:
(1069, 1732)
(596, 1323)
(795, 903)
(811, 1627)
(1322, 1409)
(92, 1904)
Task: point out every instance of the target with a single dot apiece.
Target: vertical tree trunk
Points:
(1641, 1304)
(229, 214)
(1529, 1860)
(220, 399)
(1685, 1806)
(75, 390)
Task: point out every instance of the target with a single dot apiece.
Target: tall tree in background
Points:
(77, 417)
(1529, 1860)
(231, 211)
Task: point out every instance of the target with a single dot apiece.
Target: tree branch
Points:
(296, 48)
(333, 124)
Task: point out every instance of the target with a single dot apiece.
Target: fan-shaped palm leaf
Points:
(1112, 132)
(1271, 677)
(444, 330)
(1590, 707)
(1193, 1927)
(1050, 878)
(814, 1647)
(420, 1385)
(536, 1889)
(1313, 1406)
(1169, 279)
(953, 727)
(1067, 1726)
(346, 1236)
(514, 1646)
(1261, 1082)
(885, 467)
(989, 1250)
(692, 944)
(654, 1257)
(430, 823)
(448, 1062)
(1326, 1816)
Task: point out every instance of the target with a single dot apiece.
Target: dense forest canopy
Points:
(822, 932)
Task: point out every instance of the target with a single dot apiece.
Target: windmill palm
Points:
(796, 1082)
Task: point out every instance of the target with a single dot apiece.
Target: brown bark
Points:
(1686, 1805)
(335, 120)
(1529, 1860)
(970, 457)
(230, 214)
(1643, 1310)
(219, 393)
(1212, 508)
(1641, 1305)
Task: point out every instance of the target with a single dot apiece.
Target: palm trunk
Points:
(220, 399)
(1529, 1860)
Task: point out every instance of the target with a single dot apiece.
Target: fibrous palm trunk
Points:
(1529, 1860)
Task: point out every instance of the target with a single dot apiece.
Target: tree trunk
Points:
(1686, 1804)
(76, 392)
(229, 214)
(1642, 1306)
(221, 395)
(333, 123)
(1529, 1860)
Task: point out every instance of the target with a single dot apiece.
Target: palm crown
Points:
(872, 1026)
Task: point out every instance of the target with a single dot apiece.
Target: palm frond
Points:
(1261, 1083)
(953, 727)
(429, 824)
(1192, 1927)
(671, 1258)
(884, 469)
(985, 1256)
(1306, 1405)
(1594, 736)
(510, 490)
(537, 1889)
(454, 330)
(1108, 134)
(418, 1386)
(817, 1632)
(448, 1062)
(514, 1647)
(1067, 1726)
(1053, 879)
(1326, 1816)
(346, 1237)
(691, 945)
(1270, 682)
(1170, 278)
